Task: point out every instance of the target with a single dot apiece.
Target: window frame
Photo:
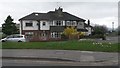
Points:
(58, 23)
(71, 23)
(52, 35)
(43, 23)
(29, 24)
(80, 23)
(55, 34)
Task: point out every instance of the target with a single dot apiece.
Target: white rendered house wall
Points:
(33, 27)
(44, 25)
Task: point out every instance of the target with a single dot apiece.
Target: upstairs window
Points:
(80, 23)
(59, 23)
(44, 23)
(29, 24)
(71, 23)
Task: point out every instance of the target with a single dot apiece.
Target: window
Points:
(59, 23)
(43, 34)
(44, 23)
(18, 36)
(74, 23)
(55, 35)
(29, 24)
(79, 23)
(68, 23)
(71, 23)
(52, 35)
(29, 34)
(11, 36)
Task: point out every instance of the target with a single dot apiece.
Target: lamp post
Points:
(112, 26)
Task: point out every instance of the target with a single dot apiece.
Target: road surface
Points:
(36, 57)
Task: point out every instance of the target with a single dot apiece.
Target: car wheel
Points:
(3, 40)
(19, 41)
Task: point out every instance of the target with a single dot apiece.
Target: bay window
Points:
(55, 34)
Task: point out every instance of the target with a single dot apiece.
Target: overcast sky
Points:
(102, 13)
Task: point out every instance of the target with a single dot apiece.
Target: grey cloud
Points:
(87, 10)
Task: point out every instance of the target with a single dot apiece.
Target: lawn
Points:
(63, 45)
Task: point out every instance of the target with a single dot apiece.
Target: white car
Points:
(14, 38)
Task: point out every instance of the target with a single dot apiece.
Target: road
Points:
(36, 57)
(24, 62)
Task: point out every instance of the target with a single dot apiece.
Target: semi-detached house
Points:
(50, 25)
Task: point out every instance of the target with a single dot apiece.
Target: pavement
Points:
(57, 57)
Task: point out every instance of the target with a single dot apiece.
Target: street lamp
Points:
(112, 26)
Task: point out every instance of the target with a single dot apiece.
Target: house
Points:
(89, 28)
(50, 25)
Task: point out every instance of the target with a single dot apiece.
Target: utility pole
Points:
(112, 26)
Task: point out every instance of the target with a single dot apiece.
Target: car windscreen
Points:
(18, 36)
(11, 36)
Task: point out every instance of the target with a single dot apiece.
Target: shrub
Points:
(81, 34)
(70, 33)
(64, 37)
(99, 36)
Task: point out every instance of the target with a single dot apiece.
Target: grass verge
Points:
(63, 45)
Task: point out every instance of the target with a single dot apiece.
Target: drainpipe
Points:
(38, 28)
(38, 24)
(21, 27)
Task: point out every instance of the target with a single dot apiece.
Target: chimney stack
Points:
(59, 11)
(88, 22)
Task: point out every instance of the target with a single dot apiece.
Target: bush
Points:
(81, 34)
(2, 36)
(99, 36)
(70, 33)
(64, 37)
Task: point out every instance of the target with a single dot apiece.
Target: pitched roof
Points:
(36, 16)
(64, 16)
(51, 15)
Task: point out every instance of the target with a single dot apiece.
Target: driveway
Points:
(109, 39)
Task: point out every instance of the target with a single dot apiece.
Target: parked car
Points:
(14, 38)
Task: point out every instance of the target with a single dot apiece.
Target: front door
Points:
(44, 36)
